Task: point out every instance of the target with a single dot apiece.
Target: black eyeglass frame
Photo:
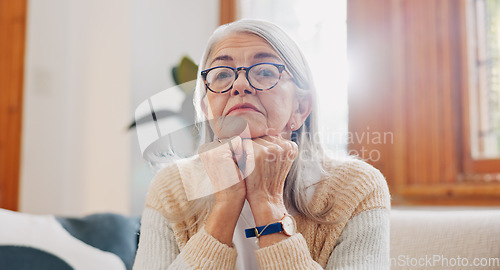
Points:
(204, 73)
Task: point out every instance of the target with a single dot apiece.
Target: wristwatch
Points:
(286, 225)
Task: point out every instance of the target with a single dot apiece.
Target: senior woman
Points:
(269, 176)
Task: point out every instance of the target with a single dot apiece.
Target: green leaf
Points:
(186, 71)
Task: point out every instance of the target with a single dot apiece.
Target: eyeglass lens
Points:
(261, 77)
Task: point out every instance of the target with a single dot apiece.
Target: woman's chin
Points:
(257, 130)
(241, 126)
(246, 133)
(244, 127)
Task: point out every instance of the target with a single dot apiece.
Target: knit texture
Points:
(157, 246)
(287, 254)
(363, 243)
(353, 186)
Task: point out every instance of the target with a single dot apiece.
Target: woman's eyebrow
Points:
(223, 57)
(266, 55)
(257, 56)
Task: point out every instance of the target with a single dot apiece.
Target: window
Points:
(419, 80)
(319, 28)
(485, 120)
(482, 149)
(414, 80)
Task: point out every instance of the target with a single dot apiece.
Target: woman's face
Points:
(266, 112)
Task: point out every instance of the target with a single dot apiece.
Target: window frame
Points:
(482, 169)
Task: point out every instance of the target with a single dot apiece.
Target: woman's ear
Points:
(302, 109)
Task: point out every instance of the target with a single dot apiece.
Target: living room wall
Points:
(76, 104)
(88, 65)
(162, 32)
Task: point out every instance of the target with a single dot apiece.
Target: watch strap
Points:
(263, 230)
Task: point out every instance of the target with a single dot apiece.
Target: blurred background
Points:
(419, 97)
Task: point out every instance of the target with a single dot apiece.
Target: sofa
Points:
(445, 238)
(421, 238)
(46, 242)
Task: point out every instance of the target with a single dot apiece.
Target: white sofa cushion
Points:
(445, 239)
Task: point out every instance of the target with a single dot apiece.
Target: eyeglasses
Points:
(261, 76)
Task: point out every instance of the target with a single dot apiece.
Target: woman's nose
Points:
(241, 85)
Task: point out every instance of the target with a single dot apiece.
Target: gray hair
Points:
(307, 169)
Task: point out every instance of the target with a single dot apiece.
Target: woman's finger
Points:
(249, 155)
(236, 146)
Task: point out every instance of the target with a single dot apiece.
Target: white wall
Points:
(88, 65)
(76, 152)
(163, 31)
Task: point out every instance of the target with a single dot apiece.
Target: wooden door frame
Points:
(12, 47)
(227, 11)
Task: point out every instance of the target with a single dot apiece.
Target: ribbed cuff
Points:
(291, 253)
(203, 251)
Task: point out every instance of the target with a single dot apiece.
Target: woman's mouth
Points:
(243, 107)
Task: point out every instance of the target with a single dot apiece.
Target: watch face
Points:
(288, 225)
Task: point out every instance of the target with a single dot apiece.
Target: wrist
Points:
(229, 201)
(227, 212)
(267, 212)
(222, 221)
(264, 199)
(286, 225)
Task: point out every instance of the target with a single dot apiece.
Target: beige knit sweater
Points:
(358, 238)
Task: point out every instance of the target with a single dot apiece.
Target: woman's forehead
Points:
(243, 45)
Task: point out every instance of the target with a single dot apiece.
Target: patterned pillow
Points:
(100, 241)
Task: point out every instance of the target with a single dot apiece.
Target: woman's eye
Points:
(222, 75)
(266, 73)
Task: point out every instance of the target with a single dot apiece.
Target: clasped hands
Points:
(253, 169)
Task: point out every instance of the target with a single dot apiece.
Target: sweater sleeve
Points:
(158, 248)
(364, 242)
(291, 253)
